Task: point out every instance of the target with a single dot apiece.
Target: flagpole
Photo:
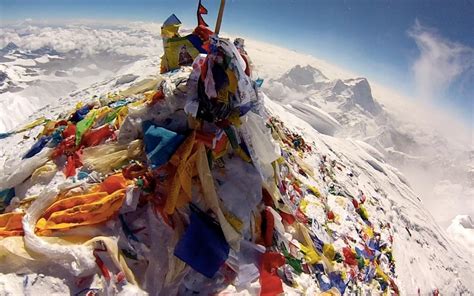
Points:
(219, 17)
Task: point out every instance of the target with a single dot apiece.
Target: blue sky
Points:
(367, 37)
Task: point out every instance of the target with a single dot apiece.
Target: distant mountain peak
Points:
(45, 50)
(305, 75)
(362, 95)
(9, 47)
(303, 78)
(339, 86)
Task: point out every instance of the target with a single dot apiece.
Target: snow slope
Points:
(425, 257)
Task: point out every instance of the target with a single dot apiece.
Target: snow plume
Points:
(440, 62)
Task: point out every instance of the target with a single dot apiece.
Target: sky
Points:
(423, 49)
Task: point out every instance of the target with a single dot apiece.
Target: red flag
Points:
(201, 10)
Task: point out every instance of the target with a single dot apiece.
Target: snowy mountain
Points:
(407, 135)
(349, 102)
(338, 115)
(44, 63)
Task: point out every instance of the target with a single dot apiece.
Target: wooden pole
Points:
(219, 17)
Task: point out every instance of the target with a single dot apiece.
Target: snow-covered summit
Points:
(426, 258)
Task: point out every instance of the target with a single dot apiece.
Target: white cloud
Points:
(136, 39)
(462, 231)
(440, 62)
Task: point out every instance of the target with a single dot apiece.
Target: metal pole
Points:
(219, 17)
